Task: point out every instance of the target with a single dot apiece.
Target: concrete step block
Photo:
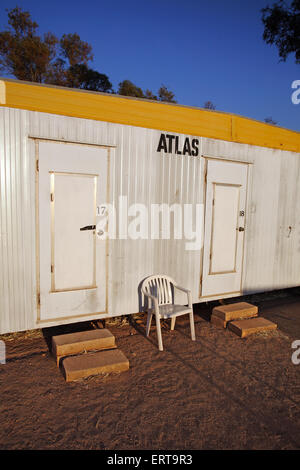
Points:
(85, 365)
(80, 342)
(217, 321)
(250, 326)
(235, 311)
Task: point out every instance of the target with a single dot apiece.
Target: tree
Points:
(80, 76)
(282, 28)
(149, 95)
(127, 88)
(209, 105)
(23, 53)
(28, 56)
(166, 95)
(65, 61)
(270, 120)
(75, 50)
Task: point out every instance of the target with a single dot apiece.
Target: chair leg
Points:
(158, 330)
(149, 319)
(192, 326)
(173, 320)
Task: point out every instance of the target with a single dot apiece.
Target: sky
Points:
(201, 50)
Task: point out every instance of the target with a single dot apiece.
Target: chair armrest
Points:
(183, 289)
(154, 299)
(188, 292)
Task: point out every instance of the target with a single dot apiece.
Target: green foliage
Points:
(127, 88)
(166, 95)
(64, 62)
(75, 50)
(80, 76)
(209, 105)
(282, 28)
(28, 56)
(149, 95)
(270, 120)
(23, 53)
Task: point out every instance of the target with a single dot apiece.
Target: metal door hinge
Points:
(52, 197)
(37, 165)
(39, 299)
(52, 268)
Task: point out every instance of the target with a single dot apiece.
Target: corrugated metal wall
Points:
(272, 250)
(17, 245)
(146, 177)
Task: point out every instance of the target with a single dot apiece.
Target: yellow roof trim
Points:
(2, 92)
(143, 113)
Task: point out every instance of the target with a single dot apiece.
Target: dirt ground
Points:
(220, 392)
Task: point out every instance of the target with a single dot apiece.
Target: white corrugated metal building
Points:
(63, 153)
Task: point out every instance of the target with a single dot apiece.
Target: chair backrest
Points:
(160, 286)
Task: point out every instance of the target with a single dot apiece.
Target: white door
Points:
(224, 227)
(72, 183)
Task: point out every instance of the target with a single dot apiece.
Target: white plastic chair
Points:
(160, 290)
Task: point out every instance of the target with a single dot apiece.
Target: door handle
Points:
(241, 229)
(89, 227)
